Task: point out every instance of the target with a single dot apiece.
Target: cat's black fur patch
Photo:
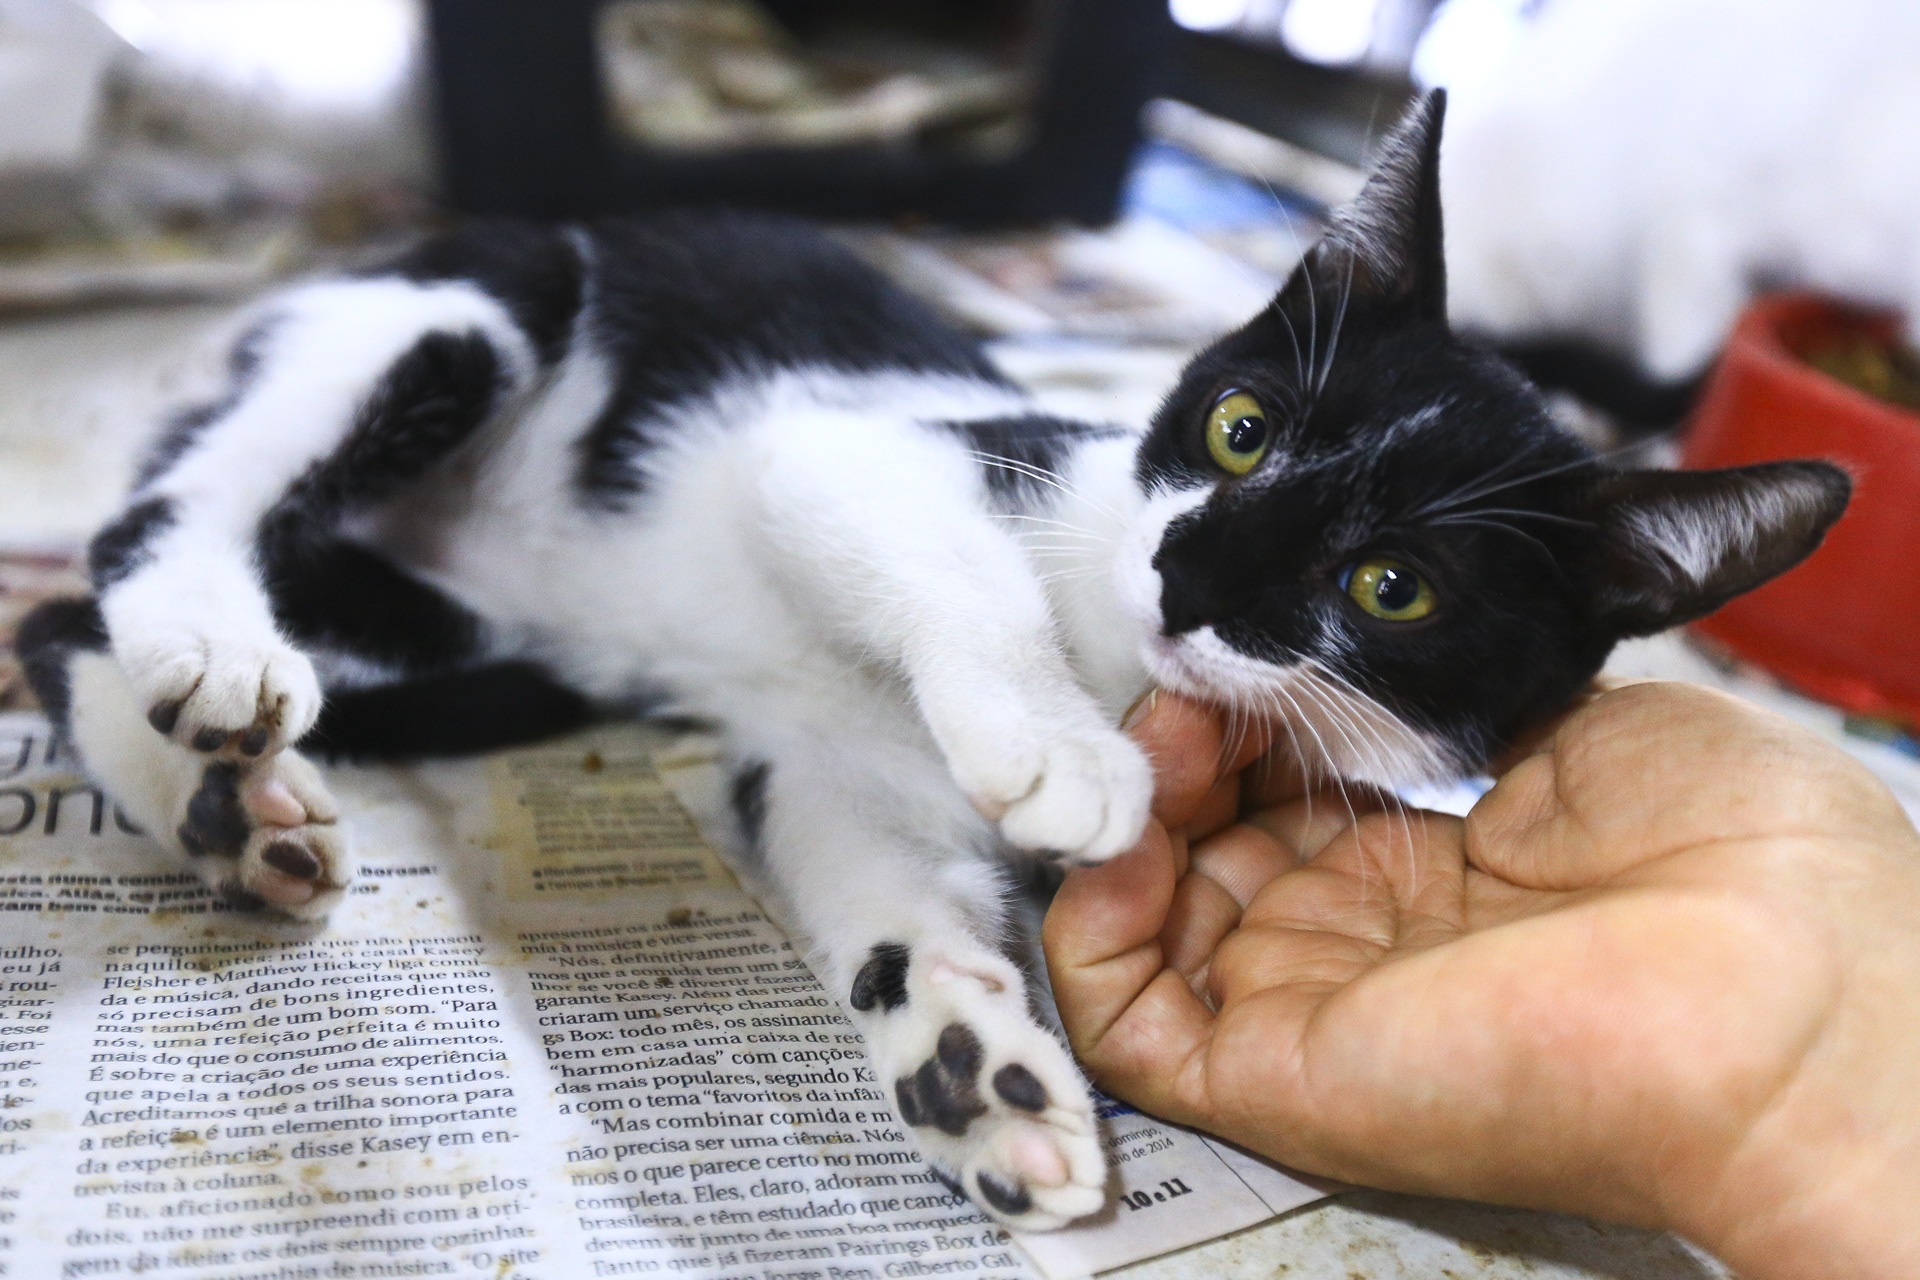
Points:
(216, 823)
(184, 427)
(748, 794)
(1019, 1087)
(1019, 457)
(882, 980)
(332, 594)
(427, 403)
(683, 300)
(120, 548)
(943, 1093)
(47, 638)
(453, 713)
(533, 270)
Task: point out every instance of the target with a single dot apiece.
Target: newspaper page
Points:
(547, 1036)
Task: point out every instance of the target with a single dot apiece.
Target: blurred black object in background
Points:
(968, 112)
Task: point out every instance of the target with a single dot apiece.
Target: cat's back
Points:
(688, 357)
(675, 305)
(766, 288)
(690, 287)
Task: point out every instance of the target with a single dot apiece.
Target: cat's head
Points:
(1361, 524)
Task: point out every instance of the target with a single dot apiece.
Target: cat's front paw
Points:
(267, 835)
(994, 1101)
(233, 696)
(1079, 792)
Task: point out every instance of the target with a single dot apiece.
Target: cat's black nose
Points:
(1185, 605)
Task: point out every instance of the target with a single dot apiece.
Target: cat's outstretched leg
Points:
(344, 393)
(891, 879)
(261, 831)
(883, 535)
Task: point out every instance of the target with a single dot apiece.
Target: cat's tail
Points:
(1609, 382)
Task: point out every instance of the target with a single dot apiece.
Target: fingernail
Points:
(1142, 708)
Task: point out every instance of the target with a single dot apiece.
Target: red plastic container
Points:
(1845, 625)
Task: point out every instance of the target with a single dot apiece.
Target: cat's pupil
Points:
(1247, 434)
(1397, 590)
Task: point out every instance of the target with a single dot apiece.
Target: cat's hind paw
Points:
(267, 836)
(994, 1101)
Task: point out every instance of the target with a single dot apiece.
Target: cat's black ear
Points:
(1676, 545)
(1387, 243)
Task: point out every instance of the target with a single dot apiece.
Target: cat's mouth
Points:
(1201, 665)
(1343, 732)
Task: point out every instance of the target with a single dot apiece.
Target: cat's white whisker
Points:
(1338, 719)
(1047, 478)
(1551, 517)
(1501, 526)
(1332, 767)
(1056, 524)
(1276, 713)
(1339, 321)
(1474, 491)
(1341, 689)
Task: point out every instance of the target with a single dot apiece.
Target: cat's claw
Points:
(228, 698)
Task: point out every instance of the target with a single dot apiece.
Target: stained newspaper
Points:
(547, 1036)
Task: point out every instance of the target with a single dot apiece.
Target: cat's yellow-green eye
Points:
(1390, 590)
(1237, 433)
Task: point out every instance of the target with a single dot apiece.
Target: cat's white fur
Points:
(1635, 170)
(870, 627)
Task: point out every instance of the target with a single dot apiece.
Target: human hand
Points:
(1666, 972)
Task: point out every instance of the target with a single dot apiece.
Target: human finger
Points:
(1131, 1018)
(1308, 823)
(1228, 870)
(1101, 934)
(1186, 741)
(1654, 768)
(1217, 810)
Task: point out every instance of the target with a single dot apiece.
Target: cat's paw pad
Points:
(267, 836)
(994, 1101)
(236, 699)
(1081, 793)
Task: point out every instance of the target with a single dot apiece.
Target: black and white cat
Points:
(711, 463)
